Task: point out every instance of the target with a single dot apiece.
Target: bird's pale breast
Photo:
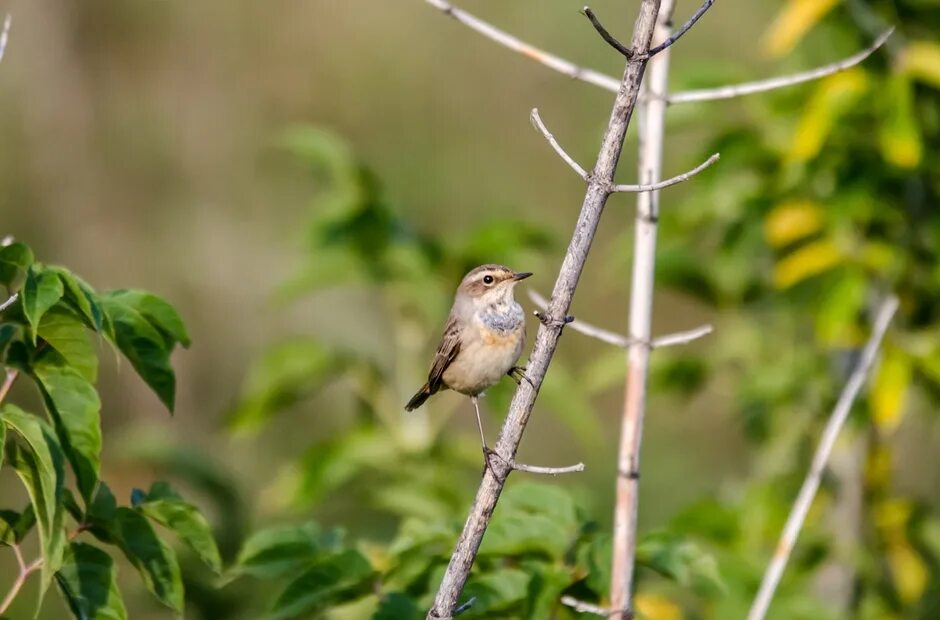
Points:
(486, 354)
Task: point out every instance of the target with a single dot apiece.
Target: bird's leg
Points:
(476, 407)
(486, 451)
(517, 373)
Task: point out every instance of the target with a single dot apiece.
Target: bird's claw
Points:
(517, 373)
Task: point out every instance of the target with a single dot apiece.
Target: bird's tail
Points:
(418, 399)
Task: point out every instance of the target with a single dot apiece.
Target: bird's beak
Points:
(521, 276)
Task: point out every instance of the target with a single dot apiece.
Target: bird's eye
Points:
(487, 279)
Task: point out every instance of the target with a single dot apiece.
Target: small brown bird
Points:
(483, 338)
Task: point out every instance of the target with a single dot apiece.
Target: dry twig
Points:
(546, 340)
(814, 476)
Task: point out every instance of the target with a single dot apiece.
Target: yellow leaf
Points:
(792, 220)
(921, 60)
(878, 468)
(908, 570)
(901, 142)
(805, 262)
(793, 22)
(656, 607)
(834, 96)
(889, 389)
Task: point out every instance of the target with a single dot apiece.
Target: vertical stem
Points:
(652, 113)
(546, 340)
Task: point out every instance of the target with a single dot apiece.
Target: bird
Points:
(483, 338)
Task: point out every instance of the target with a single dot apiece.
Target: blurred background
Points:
(307, 182)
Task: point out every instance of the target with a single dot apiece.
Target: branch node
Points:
(548, 321)
(629, 474)
(681, 31)
(609, 38)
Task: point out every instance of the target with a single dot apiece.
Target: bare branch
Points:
(760, 86)
(565, 67)
(588, 608)
(671, 340)
(624, 342)
(609, 38)
(465, 606)
(652, 115)
(685, 176)
(607, 82)
(548, 471)
(814, 476)
(538, 124)
(5, 34)
(681, 31)
(546, 339)
(9, 302)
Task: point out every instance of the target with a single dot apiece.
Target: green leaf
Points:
(144, 345)
(41, 291)
(336, 579)
(80, 294)
(533, 518)
(287, 373)
(39, 464)
(158, 311)
(65, 332)
(397, 606)
(14, 526)
(681, 560)
(153, 558)
(15, 260)
(88, 582)
(496, 591)
(75, 409)
(168, 509)
(279, 550)
(8, 333)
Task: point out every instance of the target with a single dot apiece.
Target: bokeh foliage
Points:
(50, 327)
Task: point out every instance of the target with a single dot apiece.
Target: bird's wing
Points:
(446, 352)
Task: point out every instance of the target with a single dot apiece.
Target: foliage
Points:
(48, 337)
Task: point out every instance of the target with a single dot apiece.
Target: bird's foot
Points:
(495, 463)
(517, 373)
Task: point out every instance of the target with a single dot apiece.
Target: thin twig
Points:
(671, 340)
(681, 31)
(546, 339)
(609, 38)
(9, 302)
(610, 83)
(465, 606)
(538, 124)
(588, 608)
(814, 476)
(624, 342)
(8, 382)
(685, 176)
(5, 34)
(783, 81)
(25, 572)
(549, 471)
(565, 67)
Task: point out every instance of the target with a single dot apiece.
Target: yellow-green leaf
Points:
(908, 570)
(657, 607)
(793, 22)
(807, 261)
(792, 220)
(921, 60)
(901, 143)
(834, 97)
(889, 389)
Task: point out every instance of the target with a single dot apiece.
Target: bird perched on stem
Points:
(482, 341)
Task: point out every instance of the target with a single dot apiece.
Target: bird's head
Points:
(490, 284)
